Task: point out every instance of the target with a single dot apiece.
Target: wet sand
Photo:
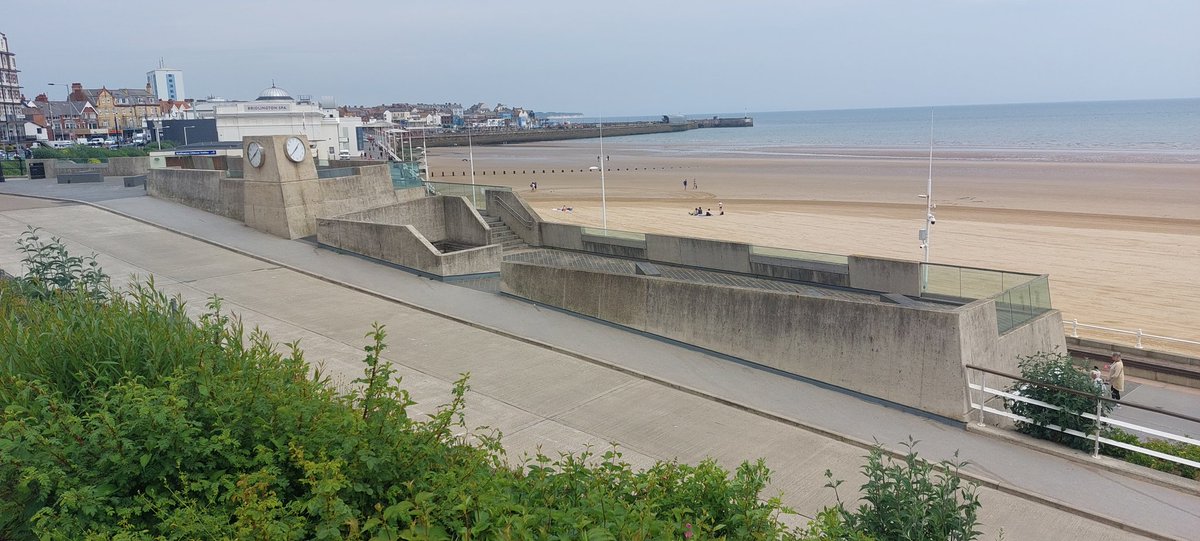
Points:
(1118, 234)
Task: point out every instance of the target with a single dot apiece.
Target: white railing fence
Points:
(1075, 325)
(979, 390)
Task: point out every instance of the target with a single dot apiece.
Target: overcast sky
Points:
(621, 57)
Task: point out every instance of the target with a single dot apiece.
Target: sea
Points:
(1168, 129)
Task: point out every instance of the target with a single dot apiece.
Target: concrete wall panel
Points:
(463, 223)
(128, 167)
(566, 237)
(885, 275)
(710, 254)
(905, 355)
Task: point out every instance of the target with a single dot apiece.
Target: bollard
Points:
(1096, 448)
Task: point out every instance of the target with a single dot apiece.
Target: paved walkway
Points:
(694, 405)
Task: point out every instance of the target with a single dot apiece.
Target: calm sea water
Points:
(1151, 126)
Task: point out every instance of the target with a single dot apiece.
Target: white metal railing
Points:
(1075, 325)
(1097, 418)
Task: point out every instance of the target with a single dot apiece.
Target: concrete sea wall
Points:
(910, 356)
(209, 191)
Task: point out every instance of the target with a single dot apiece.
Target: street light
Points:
(603, 201)
(50, 108)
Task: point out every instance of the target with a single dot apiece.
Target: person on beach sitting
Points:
(708, 212)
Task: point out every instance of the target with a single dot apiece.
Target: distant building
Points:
(275, 112)
(166, 84)
(119, 109)
(66, 120)
(11, 120)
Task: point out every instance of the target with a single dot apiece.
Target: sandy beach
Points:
(1119, 235)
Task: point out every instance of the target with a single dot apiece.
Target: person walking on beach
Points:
(721, 207)
(695, 185)
(1116, 376)
(685, 183)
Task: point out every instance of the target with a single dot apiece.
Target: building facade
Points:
(66, 120)
(167, 84)
(275, 112)
(119, 109)
(11, 120)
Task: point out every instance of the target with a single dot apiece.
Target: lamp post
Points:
(924, 234)
(50, 109)
(603, 201)
(185, 129)
(471, 155)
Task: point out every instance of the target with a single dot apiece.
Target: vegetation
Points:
(904, 499)
(83, 153)
(1057, 369)
(122, 418)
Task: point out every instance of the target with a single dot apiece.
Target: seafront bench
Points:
(76, 178)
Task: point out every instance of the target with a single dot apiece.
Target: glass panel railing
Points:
(800, 255)
(941, 281)
(406, 175)
(613, 233)
(476, 193)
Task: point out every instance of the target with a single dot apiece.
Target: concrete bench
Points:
(76, 178)
(138, 180)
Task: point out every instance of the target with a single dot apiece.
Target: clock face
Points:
(254, 153)
(295, 149)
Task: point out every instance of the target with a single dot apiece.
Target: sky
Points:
(621, 57)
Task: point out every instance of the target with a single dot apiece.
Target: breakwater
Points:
(578, 131)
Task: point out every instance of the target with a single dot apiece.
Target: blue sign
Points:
(195, 153)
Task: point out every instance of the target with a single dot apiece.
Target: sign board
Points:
(195, 153)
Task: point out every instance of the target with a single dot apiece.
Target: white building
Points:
(277, 113)
(167, 83)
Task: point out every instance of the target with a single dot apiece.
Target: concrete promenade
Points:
(657, 400)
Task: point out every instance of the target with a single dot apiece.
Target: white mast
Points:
(603, 201)
(929, 206)
(471, 154)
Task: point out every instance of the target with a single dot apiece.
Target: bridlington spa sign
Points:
(271, 107)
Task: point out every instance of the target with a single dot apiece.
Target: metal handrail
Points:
(1098, 418)
(1075, 325)
(527, 222)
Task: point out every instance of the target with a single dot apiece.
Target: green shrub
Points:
(1179, 449)
(1055, 369)
(50, 269)
(121, 418)
(904, 499)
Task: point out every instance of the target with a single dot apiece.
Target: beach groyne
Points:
(581, 131)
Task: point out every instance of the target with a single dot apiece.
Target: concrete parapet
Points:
(369, 187)
(463, 223)
(909, 355)
(403, 245)
(209, 191)
(563, 236)
(886, 275)
(128, 167)
(709, 254)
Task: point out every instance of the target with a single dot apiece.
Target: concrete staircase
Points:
(504, 236)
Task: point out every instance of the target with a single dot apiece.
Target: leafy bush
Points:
(121, 418)
(84, 153)
(1055, 369)
(904, 499)
(49, 268)
(1179, 449)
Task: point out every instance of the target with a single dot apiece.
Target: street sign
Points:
(195, 153)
